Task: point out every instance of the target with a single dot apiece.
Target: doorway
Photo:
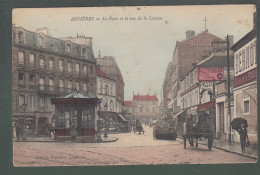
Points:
(42, 126)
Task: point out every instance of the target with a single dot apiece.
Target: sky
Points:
(142, 48)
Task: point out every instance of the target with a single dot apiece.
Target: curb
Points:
(53, 141)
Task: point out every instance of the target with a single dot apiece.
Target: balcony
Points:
(32, 67)
(32, 86)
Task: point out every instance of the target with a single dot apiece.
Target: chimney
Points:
(189, 34)
(231, 39)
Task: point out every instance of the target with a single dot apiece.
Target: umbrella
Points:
(236, 123)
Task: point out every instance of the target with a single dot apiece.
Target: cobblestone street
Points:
(130, 149)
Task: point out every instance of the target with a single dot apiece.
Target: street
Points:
(129, 149)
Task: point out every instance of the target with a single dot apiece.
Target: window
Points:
(42, 63)
(61, 65)
(91, 69)
(68, 48)
(21, 58)
(41, 83)
(141, 109)
(41, 41)
(61, 85)
(69, 67)
(147, 109)
(51, 84)
(31, 101)
(84, 51)
(246, 107)
(21, 79)
(77, 86)
(85, 69)
(111, 105)
(21, 100)
(69, 86)
(51, 63)
(42, 102)
(32, 60)
(111, 90)
(32, 79)
(77, 68)
(153, 109)
(101, 87)
(67, 119)
(85, 87)
(107, 90)
(191, 78)
(91, 87)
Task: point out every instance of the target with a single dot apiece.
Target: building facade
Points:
(245, 82)
(145, 107)
(186, 55)
(43, 68)
(109, 66)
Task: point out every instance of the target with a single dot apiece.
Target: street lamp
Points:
(24, 122)
(106, 123)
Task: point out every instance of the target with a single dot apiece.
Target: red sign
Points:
(245, 78)
(210, 73)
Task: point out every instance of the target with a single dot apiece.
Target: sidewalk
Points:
(47, 139)
(234, 147)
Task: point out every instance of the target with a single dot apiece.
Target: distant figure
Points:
(18, 129)
(73, 133)
(243, 137)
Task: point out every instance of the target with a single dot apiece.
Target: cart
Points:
(138, 127)
(202, 129)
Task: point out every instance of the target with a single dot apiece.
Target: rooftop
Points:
(146, 97)
(102, 74)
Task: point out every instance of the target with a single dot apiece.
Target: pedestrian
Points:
(73, 133)
(243, 137)
(18, 129)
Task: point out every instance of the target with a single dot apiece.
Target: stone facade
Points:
(43, 68)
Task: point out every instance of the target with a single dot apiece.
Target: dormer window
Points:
(68, 48)
(41, 41)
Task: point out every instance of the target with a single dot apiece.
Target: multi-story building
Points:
(186, 55)
(109, 66)
(145, 107)
(245, 82)
(45, 67)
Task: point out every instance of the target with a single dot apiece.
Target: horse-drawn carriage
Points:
(138, 127)
(204, 128)
(164, 131)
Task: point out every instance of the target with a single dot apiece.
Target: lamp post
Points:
(24, 122)
(106, 123)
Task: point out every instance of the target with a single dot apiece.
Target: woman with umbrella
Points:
(240, 125)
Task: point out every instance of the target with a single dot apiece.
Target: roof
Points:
(102, 74)
(128, 103)
(146, 97)
(244, 40)
(75, 95)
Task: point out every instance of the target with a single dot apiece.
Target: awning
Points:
(179, 113)
(207, 105)
(122, 117)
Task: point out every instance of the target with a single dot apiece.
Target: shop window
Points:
(67, 119)
(246, 107)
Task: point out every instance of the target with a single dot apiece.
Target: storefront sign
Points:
(210, 73)
(245, 58)
(245, 78)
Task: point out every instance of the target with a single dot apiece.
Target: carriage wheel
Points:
(210, 142)
(184, 142)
